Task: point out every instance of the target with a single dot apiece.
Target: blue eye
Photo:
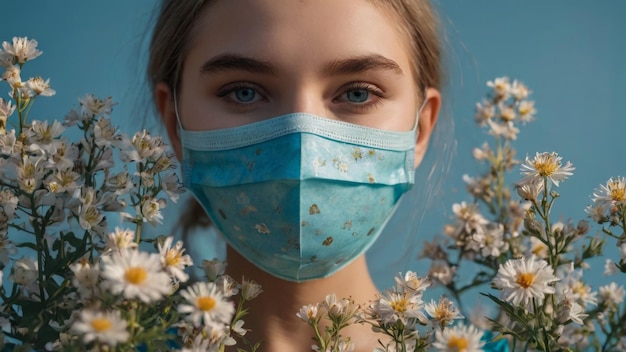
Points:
(357, 95)
(245, 95)
(242, 94)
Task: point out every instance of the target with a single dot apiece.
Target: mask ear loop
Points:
(178, 123)
(419, 114)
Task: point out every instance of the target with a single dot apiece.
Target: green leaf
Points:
(27, 245)
(516, 314)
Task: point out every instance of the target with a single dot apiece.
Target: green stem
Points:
(614, 328)
(139, 223)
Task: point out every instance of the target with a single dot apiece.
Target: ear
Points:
(165, 104)
(426, 123)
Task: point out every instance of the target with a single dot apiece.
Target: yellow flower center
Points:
(172, 258)
(458, 343)
(399, 305)
(579, 288)
(547, 166)
(136, 275)
(101, 324)
(508, 114)
(524, 109)
(526, 279)
(205, 303)
(618, 193)
(92, 216)
(539, 249)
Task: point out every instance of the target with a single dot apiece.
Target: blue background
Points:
(571, 54)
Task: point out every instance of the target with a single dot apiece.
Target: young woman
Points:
(299, 125)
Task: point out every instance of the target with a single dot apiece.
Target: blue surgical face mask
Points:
(300, 196)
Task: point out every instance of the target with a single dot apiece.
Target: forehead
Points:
(302, 32)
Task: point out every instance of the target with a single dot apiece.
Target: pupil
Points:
(357, 95)
(245, 94)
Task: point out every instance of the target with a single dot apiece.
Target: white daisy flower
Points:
(611, 294)
(597, 212)
(150, 209)
(443, 312)
(501, 87)
(411, 282)
(484, 112)
(173, 259)
(86, 278)
(507, 112)
(519, 91)
(213, 268)
(391, 307)
(145, 146)
(206, 304)
(38, 86)
(470, 216)
(570, 310)
(12, 75)
(545, 165)
(491, 241)
(120, 183)
(92, 106)
(339, 309)
(90, 218)
(610, 268)
(22, 49)
(613, 193)
(459, 338)
(136, 275)
(571, 284)
(104, 133)
(309, 313)
(507, 129)
(527, 111)
(250, 289)
(30, 173)
(523, 280)
(105, 327)
(441, 272)
(44, 133)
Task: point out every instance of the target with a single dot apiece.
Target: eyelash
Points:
(225, 92)
(370, 89)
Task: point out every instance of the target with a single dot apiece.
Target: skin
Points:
(251, 60)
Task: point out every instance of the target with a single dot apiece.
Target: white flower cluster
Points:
(535, 263)
(504, 106)
(210, 319)
(396, 313)
(99, 288)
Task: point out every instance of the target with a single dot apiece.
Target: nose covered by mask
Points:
(300, 196)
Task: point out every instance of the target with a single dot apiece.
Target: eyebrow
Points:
(358, 64)
(364, 63)
(232, 62)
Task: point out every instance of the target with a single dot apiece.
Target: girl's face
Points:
(250, 60)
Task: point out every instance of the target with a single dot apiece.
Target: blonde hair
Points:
(419, 22)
